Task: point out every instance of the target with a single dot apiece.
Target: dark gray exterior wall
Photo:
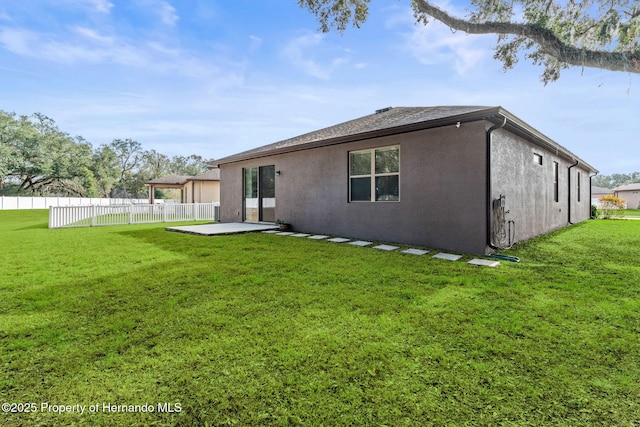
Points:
(442, 190)
(529, 187)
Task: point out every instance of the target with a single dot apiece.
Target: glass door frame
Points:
(258, 197)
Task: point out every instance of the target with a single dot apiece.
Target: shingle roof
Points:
(600, 190)
(628, 187)
(393, 120)
(386, 118)
(170, 180)
(210, 175)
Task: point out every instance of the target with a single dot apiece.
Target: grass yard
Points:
(256, 329)
(632, 213)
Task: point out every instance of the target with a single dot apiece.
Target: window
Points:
(374, 175)
(579, 176)
(555, 182)
(537, 158)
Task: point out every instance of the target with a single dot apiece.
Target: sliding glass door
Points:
(260, 194)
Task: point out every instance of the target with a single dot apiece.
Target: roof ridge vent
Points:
(383, 110)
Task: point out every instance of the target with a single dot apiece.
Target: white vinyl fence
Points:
(7, 203)
(91, 216)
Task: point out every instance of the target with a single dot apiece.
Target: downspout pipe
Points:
(591, 191)
(569, 191)
(488, 179)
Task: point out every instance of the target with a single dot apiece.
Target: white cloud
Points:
(435, 43)
(100, 6)
(93, 35)
(168, 14)
(256, 42)
(300, 52)
(83, 45)
(16, 41)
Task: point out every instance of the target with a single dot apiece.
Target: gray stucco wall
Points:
(443, 201)
(442, 188)
(528, 187)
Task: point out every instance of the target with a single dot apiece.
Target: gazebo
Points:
(169, 181)
(202, 188)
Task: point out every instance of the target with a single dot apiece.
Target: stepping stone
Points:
(285, 233)
(415, 251)
(271, 231)
(484, 262)
(386, 247)
(448, 257)
(338, 240)
(317, 237)
(360, 243)
(300, 235)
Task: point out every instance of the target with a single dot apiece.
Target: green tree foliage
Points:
(38, 158)
(190, 165)
(105, 170)
(615, 180)
(556, 34)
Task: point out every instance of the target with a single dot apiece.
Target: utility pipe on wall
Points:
(569, 191)
(489, 201)
(591, 191)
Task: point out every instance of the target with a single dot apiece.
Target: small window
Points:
(537, 158)
(579, 187)
(555, 182)
(374, 175)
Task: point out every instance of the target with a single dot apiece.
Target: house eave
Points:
(493, 115)
(394, 130)
(524, 130)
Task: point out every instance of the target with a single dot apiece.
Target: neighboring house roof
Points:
(628, 187)
(170, 180)
(600, 190)
(210, 175)
(394, 120)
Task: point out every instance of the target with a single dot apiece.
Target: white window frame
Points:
(373, 175)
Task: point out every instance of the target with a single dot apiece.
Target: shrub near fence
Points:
(91, 216)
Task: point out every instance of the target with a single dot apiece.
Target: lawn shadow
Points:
(40, 226)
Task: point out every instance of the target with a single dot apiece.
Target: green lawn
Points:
(632, 213)
(256, 329)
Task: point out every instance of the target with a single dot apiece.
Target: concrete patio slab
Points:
(360, 243)
(386, 247)
(271, 231)
(300, 235)
(338, 240)
(448, 257)
(286, 233)
(221, 228)
(484, 262)
(413, 251)
(318, 237)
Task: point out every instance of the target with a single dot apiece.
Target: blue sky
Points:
(216, 77)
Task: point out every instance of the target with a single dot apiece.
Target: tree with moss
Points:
(556, 34)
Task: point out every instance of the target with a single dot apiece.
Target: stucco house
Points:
(202, 188)
(630, 193)
(461, 178)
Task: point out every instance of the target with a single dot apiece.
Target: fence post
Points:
(195, 211)
(164, 213)
(93, 215)
(130, 214)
